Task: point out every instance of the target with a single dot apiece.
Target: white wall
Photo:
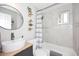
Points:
(76, 27)
(6, 34)
(52, 31)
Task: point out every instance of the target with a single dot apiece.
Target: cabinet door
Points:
(26, 52)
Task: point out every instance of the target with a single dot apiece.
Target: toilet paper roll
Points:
(39, 21)
(39, 25)
(39, 34)
(39, 16)
(38, 30)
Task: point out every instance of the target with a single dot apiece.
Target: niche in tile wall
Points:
(63, 18)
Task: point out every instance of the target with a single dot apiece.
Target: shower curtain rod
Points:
(47, 7)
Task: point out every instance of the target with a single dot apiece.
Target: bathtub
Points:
(56, 49)
(64, 51)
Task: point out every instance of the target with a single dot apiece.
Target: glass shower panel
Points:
(55, 33)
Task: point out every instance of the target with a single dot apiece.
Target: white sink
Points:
(12, 45)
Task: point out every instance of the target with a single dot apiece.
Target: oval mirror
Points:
(10, 17)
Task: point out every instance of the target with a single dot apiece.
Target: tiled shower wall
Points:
(52, 31)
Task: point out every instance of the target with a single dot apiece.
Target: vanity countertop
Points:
(27, 45)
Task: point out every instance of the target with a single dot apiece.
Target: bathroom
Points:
(49, 28)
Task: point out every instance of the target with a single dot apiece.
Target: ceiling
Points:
(39, 6)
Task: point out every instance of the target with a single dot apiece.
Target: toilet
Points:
(41, 52)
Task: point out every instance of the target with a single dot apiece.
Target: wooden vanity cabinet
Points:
(26, 52)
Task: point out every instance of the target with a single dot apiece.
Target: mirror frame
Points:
(17, 12)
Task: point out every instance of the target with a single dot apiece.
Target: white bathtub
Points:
(59, 49)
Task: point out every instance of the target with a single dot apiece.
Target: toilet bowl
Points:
(41, 52)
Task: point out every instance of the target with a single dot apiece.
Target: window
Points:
(63, 18)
